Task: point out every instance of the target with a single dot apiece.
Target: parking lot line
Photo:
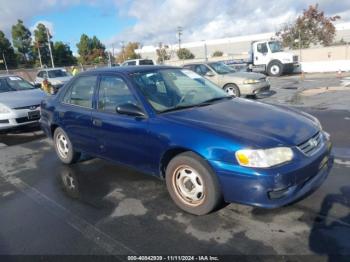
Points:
(88, 230)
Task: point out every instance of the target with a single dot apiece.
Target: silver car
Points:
(19, 102)
(56, 76)
(233, 82)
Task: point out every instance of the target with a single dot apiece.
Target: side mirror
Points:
(130, 109)
(37, 85)
(209, 74)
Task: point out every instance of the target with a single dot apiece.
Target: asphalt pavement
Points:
(97, 207)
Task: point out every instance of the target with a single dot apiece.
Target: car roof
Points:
(5, 76)
(129, 69)
(139, 59)
(51, 69)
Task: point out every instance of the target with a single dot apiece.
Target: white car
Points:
(136, 62)
(19, 102)
(56, 76)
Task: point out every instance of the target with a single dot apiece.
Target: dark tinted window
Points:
(146, 62)
(4, 87)
(112, 93)
(262, 48)
(131, 63)
(81, 91)
(57, 73)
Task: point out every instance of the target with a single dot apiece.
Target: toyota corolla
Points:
(208, 146)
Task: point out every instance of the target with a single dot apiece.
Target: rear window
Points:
(57, 73)
(146, 62)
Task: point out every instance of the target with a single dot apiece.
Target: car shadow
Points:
(327, 232)
(263, 95)
(21, 135)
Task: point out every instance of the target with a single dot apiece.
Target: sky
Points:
(152, 21)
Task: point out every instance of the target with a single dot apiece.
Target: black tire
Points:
(204, 178)
(232, 89)
(65, 152)
(275, 68)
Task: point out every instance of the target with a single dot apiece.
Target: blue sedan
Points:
(208, 146)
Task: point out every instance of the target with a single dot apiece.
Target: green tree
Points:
(217, 53)
(8, 52)
(184, 53)
(62, 55)
(22, 41)
(91, 50)
(128, 52)
(41, 41)
(84, 48)
(312, 27)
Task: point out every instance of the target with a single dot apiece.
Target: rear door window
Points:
(81, 92)
(146, 62)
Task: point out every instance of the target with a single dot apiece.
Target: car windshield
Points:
(174, 89)
(221, 68)
(275, 46)
(16, 83)
(57, 73)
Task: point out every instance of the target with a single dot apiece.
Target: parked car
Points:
(207, 145)
(137, 62)
(233, 82)
(19, 102)
(56, 76)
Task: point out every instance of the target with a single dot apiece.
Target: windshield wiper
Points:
(210, 101)
(177, 108)
(205, 103)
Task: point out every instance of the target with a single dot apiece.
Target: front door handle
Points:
(97, 122)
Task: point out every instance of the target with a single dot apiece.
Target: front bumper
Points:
(18, 118)
(254, 89)
(254, 186)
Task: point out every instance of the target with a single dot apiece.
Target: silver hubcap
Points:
(69, 182)
(62, 145)
(275, 69)
(188, 185)
(231, 91)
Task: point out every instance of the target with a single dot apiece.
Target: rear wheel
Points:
(232, 90)
(64, 147)
(192, 184)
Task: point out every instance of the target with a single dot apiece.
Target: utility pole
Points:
(122, 44)
(109, 59)
(299, 46)
(5, 63)
(179, 34)
(48, 41)
(205, 51)
(38, 46)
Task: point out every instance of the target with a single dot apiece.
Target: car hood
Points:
(245, 75)
(252, 123)
(22, 98)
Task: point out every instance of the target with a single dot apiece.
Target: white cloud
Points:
(49, 25)
(157, 20)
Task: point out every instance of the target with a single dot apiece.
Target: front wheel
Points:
(232, 90)
(64, 147)
(275, 69)
(192, 184)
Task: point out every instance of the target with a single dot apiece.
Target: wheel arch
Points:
(170, 154)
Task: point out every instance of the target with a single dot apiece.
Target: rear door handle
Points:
(97, 122)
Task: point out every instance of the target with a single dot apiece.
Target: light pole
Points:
(38, 46)
(48, 41)
(123, 55)
(179, 34)
(5, 63)
(205, 51)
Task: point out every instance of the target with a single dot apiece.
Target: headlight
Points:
(4, 109)
(264, 157)
(250, 81)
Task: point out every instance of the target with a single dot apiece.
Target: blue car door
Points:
(122, 138)
(74, 113)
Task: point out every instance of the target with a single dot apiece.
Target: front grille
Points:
(312, 145)
(295, 58)
(32, 107)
